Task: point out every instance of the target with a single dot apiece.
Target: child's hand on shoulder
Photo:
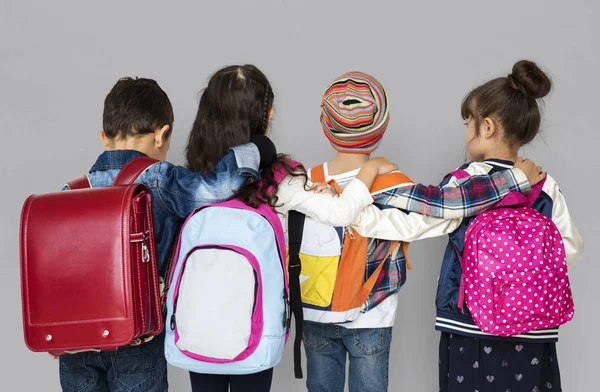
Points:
(373, 168)
(382, 165)
(322, 188)
(533, 172)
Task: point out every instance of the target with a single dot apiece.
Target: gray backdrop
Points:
(59, 59)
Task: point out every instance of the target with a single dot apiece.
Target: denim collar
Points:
(115, 159)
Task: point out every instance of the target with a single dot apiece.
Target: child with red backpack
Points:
(138, 122)
(509, 265)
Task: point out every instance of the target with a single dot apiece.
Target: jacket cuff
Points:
(517, 180)
(247, 158)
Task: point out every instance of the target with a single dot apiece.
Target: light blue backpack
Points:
(228, 304)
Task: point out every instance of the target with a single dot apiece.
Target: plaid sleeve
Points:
(459, 198)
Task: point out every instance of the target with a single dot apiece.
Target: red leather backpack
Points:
(89, 277)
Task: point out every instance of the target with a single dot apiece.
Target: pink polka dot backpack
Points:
(515, 276)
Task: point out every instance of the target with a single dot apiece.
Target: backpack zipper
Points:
(500, 303)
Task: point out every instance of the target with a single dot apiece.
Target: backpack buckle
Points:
(145, 253)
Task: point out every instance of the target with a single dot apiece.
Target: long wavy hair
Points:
(235, 106)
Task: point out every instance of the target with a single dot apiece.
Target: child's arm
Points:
(181, 190)
(564, 222)
(326, 208)
(460, 197)
(397, 225)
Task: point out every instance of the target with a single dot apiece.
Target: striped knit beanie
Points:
(355, 113)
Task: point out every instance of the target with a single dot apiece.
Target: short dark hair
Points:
(512, 100)
(135, 107)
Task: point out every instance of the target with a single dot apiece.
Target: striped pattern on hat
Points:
(355, 113)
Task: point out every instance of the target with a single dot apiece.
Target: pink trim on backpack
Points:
(517, 199)
(257, 316)
(460, 174)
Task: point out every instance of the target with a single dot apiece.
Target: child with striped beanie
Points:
(350, 277)
(354, 117)
(355, 113)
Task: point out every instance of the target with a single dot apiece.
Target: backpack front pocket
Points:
(528, 301)
(214, 317)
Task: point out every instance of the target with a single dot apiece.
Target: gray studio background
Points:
(59, 59)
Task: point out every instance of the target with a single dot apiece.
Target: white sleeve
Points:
(396, 225)
(323, 207)
(564, 222)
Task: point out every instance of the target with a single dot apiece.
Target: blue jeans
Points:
(131, 369)
(326, 349)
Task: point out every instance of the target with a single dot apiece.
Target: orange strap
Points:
(335, 186)
(390, 180)
(351, 269)
(405, 250)
(317, 174)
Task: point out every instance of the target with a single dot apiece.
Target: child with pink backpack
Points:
(229, 305)
(503, 289)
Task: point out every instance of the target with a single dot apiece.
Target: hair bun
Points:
(528, 78)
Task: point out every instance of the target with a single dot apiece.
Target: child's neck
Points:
(132, 143)
(344, 162)
(503, 152)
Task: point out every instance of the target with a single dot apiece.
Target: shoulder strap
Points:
(517, 199)
(317, 174)
(295, 232)
(390, 180)
(81, 182)
(133, 170)
(167, 279)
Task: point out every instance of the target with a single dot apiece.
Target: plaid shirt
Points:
(392, 275)
(458, 199)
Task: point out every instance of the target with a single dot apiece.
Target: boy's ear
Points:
(271, 114)
(161, 136)
(106, 141)
(489, 127)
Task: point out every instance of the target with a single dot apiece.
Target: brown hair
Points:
(511, 100)
(234, 107)
(136, 107)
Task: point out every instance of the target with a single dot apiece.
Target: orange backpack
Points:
(336, 279)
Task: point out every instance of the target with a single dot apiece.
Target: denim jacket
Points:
(177, 191)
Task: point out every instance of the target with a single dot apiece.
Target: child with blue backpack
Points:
(138, 121)
(236, 105)
(501, 116)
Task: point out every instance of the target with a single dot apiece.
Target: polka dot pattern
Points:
(515, 276)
